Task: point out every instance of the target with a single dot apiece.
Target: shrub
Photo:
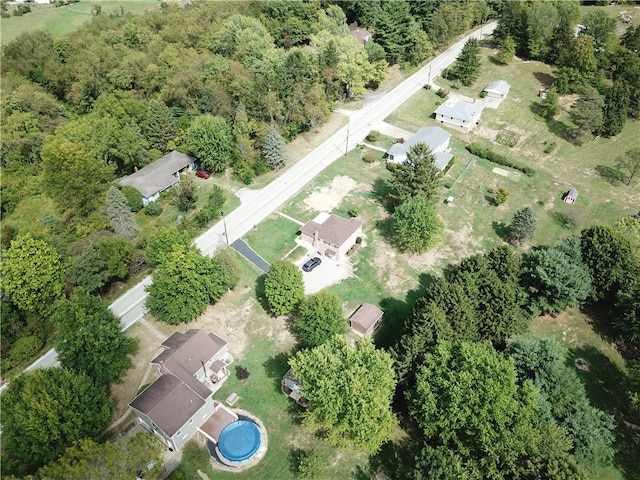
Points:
(358, 240)
(488, 154)
(354, 211)
(550, 147)
(153, 209)
(482, 94)
(442, 93)
(507, 138)
(25, 348)
(373, 136)
(241, 372)
(369, 157)
(502, 195)
(134, 199)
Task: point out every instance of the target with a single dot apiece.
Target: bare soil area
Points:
(327, 198)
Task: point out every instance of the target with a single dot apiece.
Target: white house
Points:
(180, 402)
(497, 89)
(461, 114)
(436, 138)
(160, 175)
(332, 235)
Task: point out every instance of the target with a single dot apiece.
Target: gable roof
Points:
(169, 403)
(334, 229)
(361, 35)
(433, 137)
(366, 315)
(159, 175)
(498, 86)
(462, 110)
(186, 352)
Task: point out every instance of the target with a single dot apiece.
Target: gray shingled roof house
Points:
(179, 402)
(461, 114)
(332, 235)
(436, 138)
(497, 89)
(160, 175)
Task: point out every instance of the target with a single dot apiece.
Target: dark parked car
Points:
(311, 264)
(203, 174)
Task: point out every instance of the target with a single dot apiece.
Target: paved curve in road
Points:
(256, 205)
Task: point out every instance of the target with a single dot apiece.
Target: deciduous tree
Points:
(416, 226)
(629, 164)
(283, 287)
(89, 339)
(45, 411)
(32, 275)
(210, 139)
(320, 318)
(349, 391)
(115, 460)
(116, 251)
(163, 242)
(186, 283)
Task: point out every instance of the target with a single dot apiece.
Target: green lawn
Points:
(61, 20)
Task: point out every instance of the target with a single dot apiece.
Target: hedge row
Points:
(488, 154)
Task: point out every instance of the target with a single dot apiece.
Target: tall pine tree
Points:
(274, 150)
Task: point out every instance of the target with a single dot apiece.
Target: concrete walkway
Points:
(245, 250)
(284, 215)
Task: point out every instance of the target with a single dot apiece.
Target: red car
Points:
(203, 174)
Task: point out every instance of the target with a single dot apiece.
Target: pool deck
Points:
(220, 463)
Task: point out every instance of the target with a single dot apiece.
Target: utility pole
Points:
(226, 234)
(347, 147)
(429, 78)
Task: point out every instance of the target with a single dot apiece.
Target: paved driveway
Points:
(328, 273)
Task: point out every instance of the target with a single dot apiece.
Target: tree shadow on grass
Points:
(613, 176)
(501, 229)
(605, 384)
(380, 194)
(396, 311)
(544, 78)
(260, 293)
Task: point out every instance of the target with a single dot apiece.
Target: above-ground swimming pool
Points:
(239, 440)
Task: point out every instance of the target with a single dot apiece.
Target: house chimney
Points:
(316, 238)
(163, 369)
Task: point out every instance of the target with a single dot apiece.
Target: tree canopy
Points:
(349, 391)
(89, 339)
(470, 407)
(418, 175)
(45, 411)
(187, 282)
(416, 226)
(283, 287)
(116, 460)
(32, 275)
(320, 318)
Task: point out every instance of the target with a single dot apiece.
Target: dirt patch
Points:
(327, 198)
(457, 244)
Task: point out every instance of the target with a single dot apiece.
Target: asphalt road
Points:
(258, 204)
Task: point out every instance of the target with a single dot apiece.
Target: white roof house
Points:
(436, 138)
(497, 89)
(461, 114)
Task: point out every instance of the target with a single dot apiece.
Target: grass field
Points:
(61, 20)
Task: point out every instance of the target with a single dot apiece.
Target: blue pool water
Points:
(239, 440)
